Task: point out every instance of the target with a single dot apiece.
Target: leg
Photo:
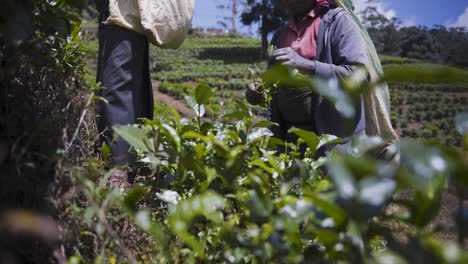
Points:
(123, 71)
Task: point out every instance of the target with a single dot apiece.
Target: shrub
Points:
(42, 90)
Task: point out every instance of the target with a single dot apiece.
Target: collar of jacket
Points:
(324, 29)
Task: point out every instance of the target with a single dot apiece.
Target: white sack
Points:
(164, 22)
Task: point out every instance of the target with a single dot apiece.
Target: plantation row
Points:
(208, 59)
(424, 111)
(424, 115)
(222, 98)
(216, 192)
(428, 112)
(220, 61)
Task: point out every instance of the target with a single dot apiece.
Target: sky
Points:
(410, 12)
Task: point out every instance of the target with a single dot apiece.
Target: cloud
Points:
(461, 21)
(381, 6)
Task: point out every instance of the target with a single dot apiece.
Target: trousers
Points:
(123, 71)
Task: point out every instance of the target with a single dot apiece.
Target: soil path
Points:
(179, 106)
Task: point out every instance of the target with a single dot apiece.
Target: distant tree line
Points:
(438, 44)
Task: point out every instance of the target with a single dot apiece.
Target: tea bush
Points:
(218, 192)
(209, 190)
(43, 89)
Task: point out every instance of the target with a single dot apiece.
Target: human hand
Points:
(253, 96)
(289, 57)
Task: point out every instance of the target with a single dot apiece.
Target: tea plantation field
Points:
(209, 190)
(423, 111)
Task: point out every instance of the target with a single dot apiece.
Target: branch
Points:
(77, 130)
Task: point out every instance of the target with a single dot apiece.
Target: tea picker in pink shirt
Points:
(320, 41)
(300, 39)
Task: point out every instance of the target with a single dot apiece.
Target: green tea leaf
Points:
(328, 139)
(309, 137)
(135, 136)
(132, 197)
(197, 108)
(328, 207)
(143, 220)
(264, 123)
(105, 151)
(461, 123)
(203, 94)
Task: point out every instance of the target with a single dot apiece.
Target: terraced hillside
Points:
(418, 110)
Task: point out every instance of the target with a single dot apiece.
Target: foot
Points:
(120, 179)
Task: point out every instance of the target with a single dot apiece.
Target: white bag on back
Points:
(164, 22)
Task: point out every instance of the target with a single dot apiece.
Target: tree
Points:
(270, 14)
(454, 42)
(418, 43)
(383, 31)
(233, 6)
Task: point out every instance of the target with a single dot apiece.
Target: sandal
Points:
(120, 179)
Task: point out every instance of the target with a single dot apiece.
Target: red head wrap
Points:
(323, 5)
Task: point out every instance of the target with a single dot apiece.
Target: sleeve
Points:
(347, 49)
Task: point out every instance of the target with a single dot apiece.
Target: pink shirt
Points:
(303, 37)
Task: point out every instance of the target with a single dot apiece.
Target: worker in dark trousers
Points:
(123, 71)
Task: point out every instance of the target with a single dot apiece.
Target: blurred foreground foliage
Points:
(218, 192)
(42, 89)
(209, 191)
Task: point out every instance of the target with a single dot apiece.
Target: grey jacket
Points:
(340, 50)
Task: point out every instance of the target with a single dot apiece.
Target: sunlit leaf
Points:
(388, 257)
(329, 208)
(194, 135)
(327, 236)
(203, 94)
(143, 220)
(243, 107)
(264, 124)
(335, 95)
(285, 77)
(425, 163)
(258, 133)
(135, 136)
(236, 114)
(298, 210)
(343, 179)
(461, 123)
(105, 151)
(309, 137)
(327, 140)
(181, 216)
(261, 164)
(172, 134)
(374, 195)
(168, 196)
(197, 108)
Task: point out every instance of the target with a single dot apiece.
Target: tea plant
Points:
(219, 192)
